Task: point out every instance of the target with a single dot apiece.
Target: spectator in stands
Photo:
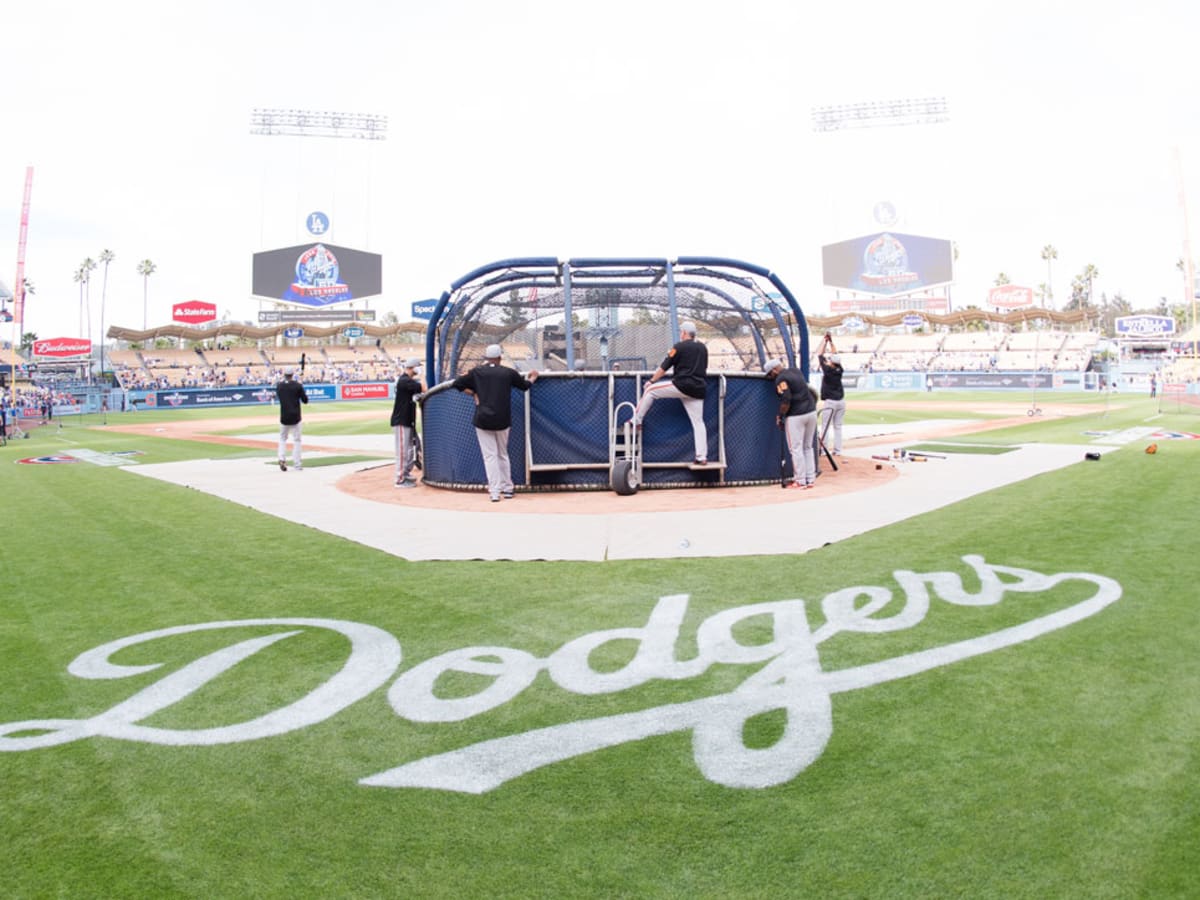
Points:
(291, 394)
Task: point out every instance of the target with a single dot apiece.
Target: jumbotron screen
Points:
(317, 274)
(887, 263)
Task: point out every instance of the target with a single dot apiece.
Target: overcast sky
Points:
(559, 128)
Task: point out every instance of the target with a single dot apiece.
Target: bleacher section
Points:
(981, 351)
(906, 352)
(970, 351)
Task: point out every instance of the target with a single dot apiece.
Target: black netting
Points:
(622, 317)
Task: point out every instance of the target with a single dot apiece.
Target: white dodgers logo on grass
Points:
(789, 679)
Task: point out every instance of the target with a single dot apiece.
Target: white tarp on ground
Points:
(413, 532)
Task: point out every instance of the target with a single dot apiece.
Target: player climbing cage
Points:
(595, 329)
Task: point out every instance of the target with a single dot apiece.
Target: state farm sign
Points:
(194, 312)
(1009, 296)
(62, 347)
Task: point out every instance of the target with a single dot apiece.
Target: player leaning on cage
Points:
(404, 422)
(797, 415)
(833, 395)
(491, 384)
(688, 359)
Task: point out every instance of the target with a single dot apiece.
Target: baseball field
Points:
(998, 697)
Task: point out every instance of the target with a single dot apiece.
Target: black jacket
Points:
(492, 386)
(291, 394)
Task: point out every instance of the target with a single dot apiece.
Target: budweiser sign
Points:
(61, 347)
(1010, 296)
(194, 312)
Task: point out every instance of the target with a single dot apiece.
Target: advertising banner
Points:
(1010, 296)
(62, 347)
(884, 305)
(273, 316)
(901, 381)
(316, 275)
(243, 396)
(364, 391)
(1145, 326)
(887, 263)
(194, 312)
(994, 380)
(423, 309)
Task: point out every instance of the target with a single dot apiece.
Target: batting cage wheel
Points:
(594, 330)
(624, 479)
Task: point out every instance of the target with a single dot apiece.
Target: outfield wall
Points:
(966, 381)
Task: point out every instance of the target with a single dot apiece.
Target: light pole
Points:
(88, 266)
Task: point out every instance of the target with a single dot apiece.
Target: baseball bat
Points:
(828, 455)
(783, 454)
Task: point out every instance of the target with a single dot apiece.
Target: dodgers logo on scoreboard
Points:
(885, 265)
(317, 223)
(317, 277)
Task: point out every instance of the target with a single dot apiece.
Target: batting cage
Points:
(595, 330)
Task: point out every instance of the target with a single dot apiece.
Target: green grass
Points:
(1061, 767)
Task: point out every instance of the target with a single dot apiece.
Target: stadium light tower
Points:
(879, 113)
(309, 123)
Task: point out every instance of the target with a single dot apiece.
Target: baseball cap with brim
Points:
(412, 363)
(834, 358)
(493, 351)
(289, 371)
(771, 365)
(688, 328)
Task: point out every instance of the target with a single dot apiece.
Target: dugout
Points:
(595, 329)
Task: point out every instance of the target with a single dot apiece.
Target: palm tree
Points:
(80, 277)
(27, 290)
(106, 256)
(145, 268)
(1089, 274)
(1049, 254)
(1002, 279)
